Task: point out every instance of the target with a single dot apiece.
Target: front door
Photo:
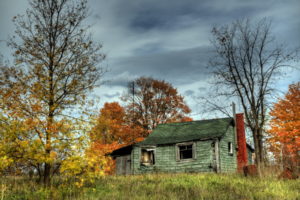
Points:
(215, 156)
(123, 165)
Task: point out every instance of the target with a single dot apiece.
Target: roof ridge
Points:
(203, 120)
(185, 131)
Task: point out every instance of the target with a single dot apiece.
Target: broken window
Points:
(147, 156)
(185, 151)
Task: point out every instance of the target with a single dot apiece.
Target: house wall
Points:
(165, 159)
(228, 162)
(123, 165)
(249, 152)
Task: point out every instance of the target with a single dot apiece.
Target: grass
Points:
(157, 186)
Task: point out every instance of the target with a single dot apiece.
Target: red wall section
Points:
(241, 142)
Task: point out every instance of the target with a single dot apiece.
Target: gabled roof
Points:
(187, 131)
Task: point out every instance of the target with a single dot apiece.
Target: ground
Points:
(158, 186)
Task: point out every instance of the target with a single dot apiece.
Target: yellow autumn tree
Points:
(56, 65)
(285, 128)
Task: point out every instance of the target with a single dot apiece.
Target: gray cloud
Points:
(178, 67)
(189, 93)
(117, 94)
(202, 89)
(166, 40)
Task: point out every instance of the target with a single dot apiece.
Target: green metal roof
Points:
(187, 131)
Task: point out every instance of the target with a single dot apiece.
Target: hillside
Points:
(160, 186)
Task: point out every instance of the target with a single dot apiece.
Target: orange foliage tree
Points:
(112, 131)
(151, 102)
(112, 126)
(285, 127)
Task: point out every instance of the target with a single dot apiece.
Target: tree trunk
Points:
(258, 151)
(39, 180)
(47, 167)
(47, 177)
(261, 148)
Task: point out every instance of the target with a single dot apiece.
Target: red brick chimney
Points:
(242, 159)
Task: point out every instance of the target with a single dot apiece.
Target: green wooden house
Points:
(215, 145)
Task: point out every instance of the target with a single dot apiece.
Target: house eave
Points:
(121, 151)
(173, 143)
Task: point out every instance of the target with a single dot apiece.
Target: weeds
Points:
(157, 186)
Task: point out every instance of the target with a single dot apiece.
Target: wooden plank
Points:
(217, 155)
(127, 164)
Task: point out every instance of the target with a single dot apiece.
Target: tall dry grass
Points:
(156, 186)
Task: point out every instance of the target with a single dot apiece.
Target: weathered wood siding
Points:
(249, 152)
(165, 159)
(123, 165)
(228, 162)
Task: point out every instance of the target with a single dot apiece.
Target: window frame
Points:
(177, 150)
(152, 148)
(230, 148)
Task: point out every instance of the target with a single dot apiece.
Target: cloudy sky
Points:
(167, 40)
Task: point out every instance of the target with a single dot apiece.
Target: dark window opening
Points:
(147, 157)
(185, 151)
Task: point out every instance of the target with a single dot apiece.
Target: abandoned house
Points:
(216, 145)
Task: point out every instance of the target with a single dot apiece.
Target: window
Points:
(230, 149)
(185, 151)
(147, 156)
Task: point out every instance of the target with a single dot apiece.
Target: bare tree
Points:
(245, 64)
(56, 64)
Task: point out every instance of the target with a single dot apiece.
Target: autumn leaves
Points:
(285, 128)
(150, 103)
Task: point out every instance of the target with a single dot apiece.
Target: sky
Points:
(167, 40)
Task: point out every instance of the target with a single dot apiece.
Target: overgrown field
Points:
(158, 186)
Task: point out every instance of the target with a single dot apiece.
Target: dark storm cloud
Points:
(149, 48)
(115, 78)
(179, 14)
(165, 39)
(138, 16)
(170, 41)
(177, 67)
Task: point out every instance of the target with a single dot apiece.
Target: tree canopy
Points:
(285, 127)
(56, 65)
(112, 125)
(151, 102)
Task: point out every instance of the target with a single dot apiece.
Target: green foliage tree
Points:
(56, 65)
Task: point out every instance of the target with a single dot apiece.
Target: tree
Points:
(285, 127)
(112, 130)
(112, 125)
(245, 63)
(56, 65)
(151, 102)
